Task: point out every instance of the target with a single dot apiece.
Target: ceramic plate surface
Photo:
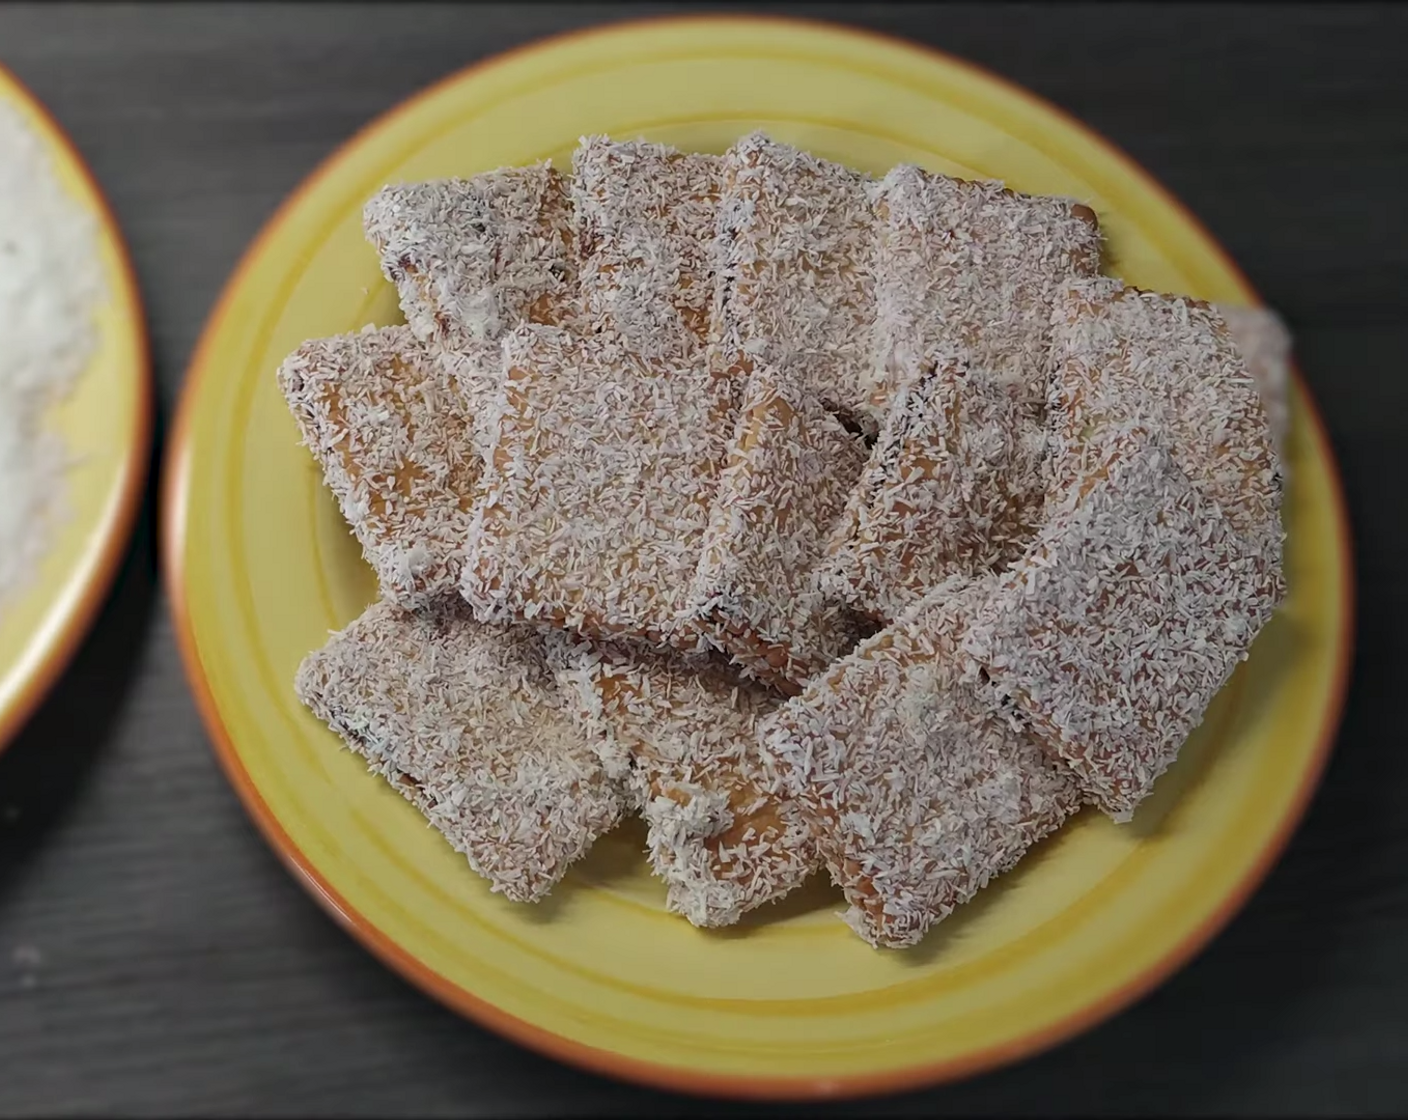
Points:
(790, 1004)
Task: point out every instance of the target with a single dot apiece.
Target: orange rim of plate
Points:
(608, 1063)
(116, 528)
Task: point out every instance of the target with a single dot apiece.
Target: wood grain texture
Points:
(154, 957)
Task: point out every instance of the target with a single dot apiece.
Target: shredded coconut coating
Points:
(795, 289)
(610, 440)
(919, 792)
(645, 226)
(1133, 607)
(467, 721)
(472, 258)
(603, 473)
(680, 731)
(387, 424)
(790, 468)
(953, 487)
(966, 276)
(1265, 346)
(973, 268)
(1122, 358)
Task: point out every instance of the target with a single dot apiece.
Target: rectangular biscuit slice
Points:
(1135, 603)
(1265, 344)
(646, 217)
(680, 732)
(972, 268)
(953, 486)
(919, 791)
(472, 258)
(797, 238)
(610, 436)
(968, 271)
(467, 721)
(1122, 358)
(791, 466)
(385, 420)
(603, 471)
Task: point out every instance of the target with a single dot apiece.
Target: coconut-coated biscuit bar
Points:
(791, 466)
(603, 470)
(680, 732)
(1122, 357)
(795, 290)
(385, 420)
(972, 268)
(918, 790)
(952, 487)
(472, 258)
(468, 722)
(1133, 606)
(645, 217)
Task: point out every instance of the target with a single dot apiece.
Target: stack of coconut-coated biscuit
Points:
(824, 521)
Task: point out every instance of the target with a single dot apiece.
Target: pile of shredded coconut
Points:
(664, 438)
(50, 283)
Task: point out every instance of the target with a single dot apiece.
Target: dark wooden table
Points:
(156, 959)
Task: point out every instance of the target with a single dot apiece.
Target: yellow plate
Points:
(105, 424)
(791, 1004)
